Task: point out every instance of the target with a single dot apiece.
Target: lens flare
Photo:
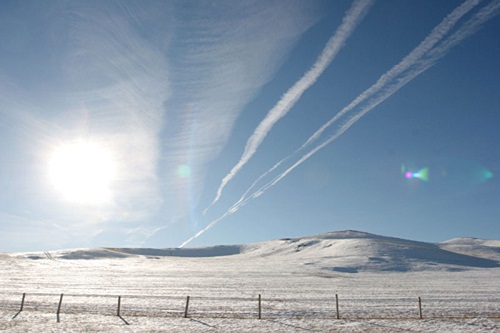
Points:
(485, 174)
(422, 174)
(183, 171)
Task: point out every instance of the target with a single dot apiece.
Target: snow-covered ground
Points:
(377, 279)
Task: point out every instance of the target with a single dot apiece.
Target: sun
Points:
(82, 172)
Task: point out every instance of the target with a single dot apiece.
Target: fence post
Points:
(22, 302)
(118, 310)
(119, 306)
(260, 306)
(187, 308)
(337, 305)
(59, 307)
(22, 306)
(419, 308)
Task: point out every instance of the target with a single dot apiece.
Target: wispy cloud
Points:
(216, 72)
(349, 23)
(23, 233)
(96, 77)
(159, 83)
(424, 56)
(119, 81)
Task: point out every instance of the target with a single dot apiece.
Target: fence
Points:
(257, 307)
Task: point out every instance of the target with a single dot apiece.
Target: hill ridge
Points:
(342, 251)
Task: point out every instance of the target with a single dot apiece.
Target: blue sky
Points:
(161, 123)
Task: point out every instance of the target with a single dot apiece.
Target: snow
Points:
(353, 251)
(483, 248)
(376, 278)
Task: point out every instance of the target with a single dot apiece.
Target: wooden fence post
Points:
(260, 306)
(187, 308)
(22, 302)
(59, 307)
(419, 308)
(337, 305)
(119, 306)
(118, 310)
(22, 306)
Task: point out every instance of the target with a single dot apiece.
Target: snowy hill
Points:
(342, 251)
(353, 251)
(375, 277)
(482, 248)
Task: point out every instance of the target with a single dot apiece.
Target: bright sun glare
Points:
(82, 172)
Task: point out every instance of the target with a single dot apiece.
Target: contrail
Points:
(430, 41)
(467, 29)
(427, 57)
(350, 21)
(208, 227)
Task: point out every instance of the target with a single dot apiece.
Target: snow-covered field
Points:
(377, 279)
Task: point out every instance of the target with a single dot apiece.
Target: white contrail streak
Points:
(427, 57)
(430, 41)
(208, 227)
(350, 21)
(468, 28)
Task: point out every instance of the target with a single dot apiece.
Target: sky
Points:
(198, 123)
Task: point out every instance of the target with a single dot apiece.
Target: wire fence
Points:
(257, 307)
